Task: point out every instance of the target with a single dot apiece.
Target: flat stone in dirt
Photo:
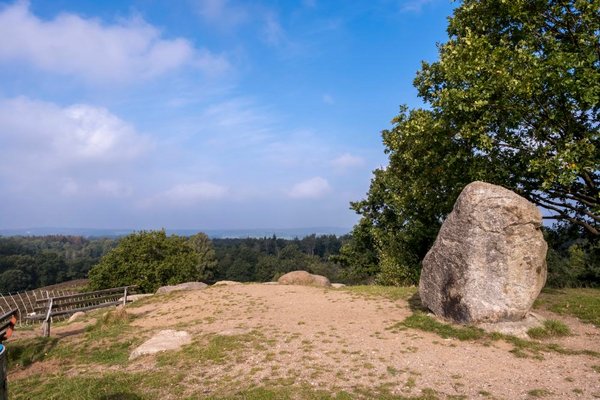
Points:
(515, 328)
(76, 316)
(303, 278)
(182, 286)
(488, 263)
(136, 297)
(337, 285)
(226, 283)
(164, 340)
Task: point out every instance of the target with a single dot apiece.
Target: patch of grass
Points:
(551, 328)
(581, 303)
(596, 368)
(424, 322)
(213, 349)
(388, 292)
(109, 325)
(24, 352)
(522, 348)
(101, 387)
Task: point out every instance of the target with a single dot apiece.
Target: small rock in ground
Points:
(76, 316)
(303, 278)
(182, 286)
(270, 283)
(135, 297)
(162, 341)
(337, 285)
(227, 283)
(515, 328)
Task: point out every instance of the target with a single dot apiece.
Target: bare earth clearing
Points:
(337, 341)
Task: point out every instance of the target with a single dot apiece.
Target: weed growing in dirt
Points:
(551, 328)
(539, 393)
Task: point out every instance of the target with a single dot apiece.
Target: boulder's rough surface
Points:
(488, 262)
(182, 286)
(303, 278)
(162, 341)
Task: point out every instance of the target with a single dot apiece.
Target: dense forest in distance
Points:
(29, 262)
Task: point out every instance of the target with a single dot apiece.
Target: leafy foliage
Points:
(151, 259)
(265, 259)
(513, 100)
(30, 262)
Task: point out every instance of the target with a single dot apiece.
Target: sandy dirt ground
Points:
(334, 339)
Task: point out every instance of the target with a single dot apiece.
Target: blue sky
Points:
(201, 114)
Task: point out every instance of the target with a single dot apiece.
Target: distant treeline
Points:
(29, 262)
(265, 259)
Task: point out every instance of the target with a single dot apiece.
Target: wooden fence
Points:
(61, 306)
(26, 303)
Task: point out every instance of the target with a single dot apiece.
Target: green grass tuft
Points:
(426, 323)
(539, 393)
(24, 352)
(552, 328)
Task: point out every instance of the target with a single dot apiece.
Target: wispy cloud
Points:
(313, 188)
(94, 51)
(222, 13)
(346, 161)
(189, 194)
(328, 99)
(414, 5)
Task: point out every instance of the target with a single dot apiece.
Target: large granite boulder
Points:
(303, 278)
(488, 263)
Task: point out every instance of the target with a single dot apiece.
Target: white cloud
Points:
(346, 161)
(191, 193)
(49, 136)
(310, 189)
(415, 5)
(89, 49)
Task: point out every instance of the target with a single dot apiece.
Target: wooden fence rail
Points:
(64, 305)
(26, 303)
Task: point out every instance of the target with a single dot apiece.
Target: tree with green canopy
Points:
(513, 100)
(151, 259)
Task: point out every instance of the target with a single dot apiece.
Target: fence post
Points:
(125, 296)
(48, 320)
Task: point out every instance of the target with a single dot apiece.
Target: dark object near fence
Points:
(7, 325)
(70, 304)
